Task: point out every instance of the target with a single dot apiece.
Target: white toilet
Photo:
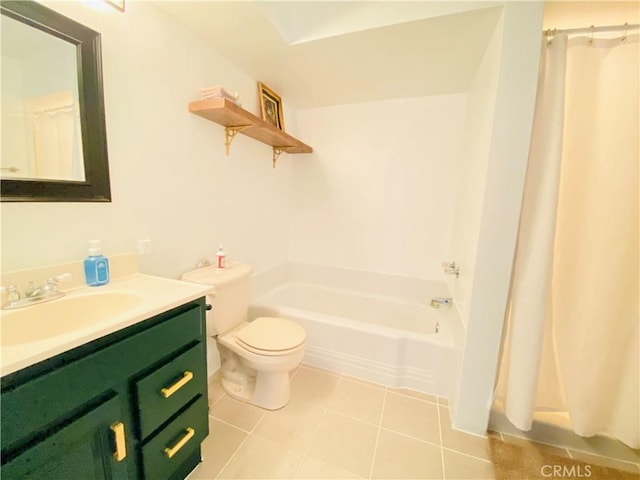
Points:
(256, 356)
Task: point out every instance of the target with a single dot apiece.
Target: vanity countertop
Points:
(154, 295)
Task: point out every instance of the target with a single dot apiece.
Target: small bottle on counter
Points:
(221, 256)
(96, 266)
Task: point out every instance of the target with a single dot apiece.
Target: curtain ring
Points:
(624, 36)
(590, 42)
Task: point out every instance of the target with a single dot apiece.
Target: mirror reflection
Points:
(41, 134)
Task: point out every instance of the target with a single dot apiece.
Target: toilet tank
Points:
(231, 300)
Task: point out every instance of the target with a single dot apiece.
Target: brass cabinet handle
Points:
(121, 449)
(168, 391)
(176, 448)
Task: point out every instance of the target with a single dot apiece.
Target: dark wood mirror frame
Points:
(96, 187)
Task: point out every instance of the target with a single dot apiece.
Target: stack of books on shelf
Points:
(218, 92)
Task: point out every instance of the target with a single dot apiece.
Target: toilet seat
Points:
(271, 336)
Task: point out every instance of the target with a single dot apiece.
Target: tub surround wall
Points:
(170, 179)
(379, 193)
(412, 289)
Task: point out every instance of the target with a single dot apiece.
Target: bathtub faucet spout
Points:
(439, 302)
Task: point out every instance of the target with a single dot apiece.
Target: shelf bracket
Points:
(276, 153)
(229, 135)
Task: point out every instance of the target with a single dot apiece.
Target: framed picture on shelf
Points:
(270, 106)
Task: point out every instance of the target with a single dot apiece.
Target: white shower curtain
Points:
(56, 143)
(571, 343)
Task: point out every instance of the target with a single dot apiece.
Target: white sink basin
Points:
(58, 317)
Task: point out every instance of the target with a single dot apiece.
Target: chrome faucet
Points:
(450, 268)
(439, 302)
(44, 290)
(32, 295)
(13, 295)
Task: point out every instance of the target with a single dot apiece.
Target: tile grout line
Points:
(466, 455)
(217, 400)
(297, 471)
(410, 437)
(233, 456)
(424, 400)
(240, 446)
(441, 446)
(305, 455)
(230, 424)
(434, 444)
(375, 448)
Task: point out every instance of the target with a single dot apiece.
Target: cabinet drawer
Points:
(179, 439)
(170, 387)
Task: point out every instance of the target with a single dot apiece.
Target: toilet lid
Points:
(271, 334)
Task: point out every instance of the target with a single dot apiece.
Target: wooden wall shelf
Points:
(236, 120)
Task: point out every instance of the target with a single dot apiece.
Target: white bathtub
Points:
(375, 327)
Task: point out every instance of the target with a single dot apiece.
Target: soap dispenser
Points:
(96, 266)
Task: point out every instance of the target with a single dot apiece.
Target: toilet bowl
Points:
(257, 356)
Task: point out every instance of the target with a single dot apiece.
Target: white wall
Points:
(508, 152)
(170, 179)
(378, 192)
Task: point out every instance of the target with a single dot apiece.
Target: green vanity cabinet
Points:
(132, 404)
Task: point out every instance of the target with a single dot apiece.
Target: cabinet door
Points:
(82, 449)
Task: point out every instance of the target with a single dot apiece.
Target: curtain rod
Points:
(609, 28)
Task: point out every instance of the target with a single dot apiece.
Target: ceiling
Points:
(319, 53)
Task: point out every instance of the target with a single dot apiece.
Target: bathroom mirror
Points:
(54, 143)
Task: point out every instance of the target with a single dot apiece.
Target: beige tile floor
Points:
(340, 427)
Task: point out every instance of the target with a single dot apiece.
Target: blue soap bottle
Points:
(96, 266)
